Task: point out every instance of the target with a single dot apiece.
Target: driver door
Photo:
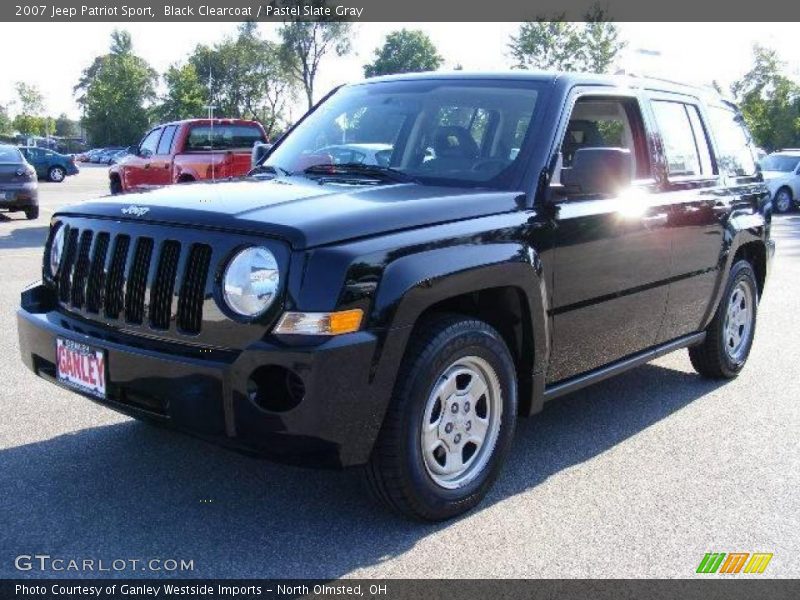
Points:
(612, 251)
(136, 170)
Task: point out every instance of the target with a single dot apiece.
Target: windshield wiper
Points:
(362, 170)
(267, 170)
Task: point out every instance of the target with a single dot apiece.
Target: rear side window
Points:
(223, 137)
(685, 142)
(165, 145)
(734, 150)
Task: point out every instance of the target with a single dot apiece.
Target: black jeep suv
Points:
(419, 261)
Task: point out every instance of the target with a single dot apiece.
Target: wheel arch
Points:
(499, 283)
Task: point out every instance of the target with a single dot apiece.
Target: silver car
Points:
(781, 171)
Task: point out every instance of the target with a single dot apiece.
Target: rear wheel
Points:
(783, 200)
(451, 421)
(32, 213)
(729, 336)
(56, 174)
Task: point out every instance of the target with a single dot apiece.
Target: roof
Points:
(569, 78)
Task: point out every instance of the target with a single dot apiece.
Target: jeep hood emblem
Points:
(136, 211)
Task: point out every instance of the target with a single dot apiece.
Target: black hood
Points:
(300, 210)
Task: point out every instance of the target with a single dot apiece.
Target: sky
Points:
(52, 55)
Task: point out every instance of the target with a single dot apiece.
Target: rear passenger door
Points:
(697, 184)
(611, 256)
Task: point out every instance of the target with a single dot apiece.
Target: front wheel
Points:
(729, 336)
(56, 174)
(32, 213)
(450, 423)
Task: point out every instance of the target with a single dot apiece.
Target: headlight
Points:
(251, 280)
(56, 250)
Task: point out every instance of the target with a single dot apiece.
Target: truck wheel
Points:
(783, 200)
(56, 174)
(450, 422)
(115, 186)
(729, 336)
(32, 213)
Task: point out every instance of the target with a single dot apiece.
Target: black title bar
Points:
(392, 10)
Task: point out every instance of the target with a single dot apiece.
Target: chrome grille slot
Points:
(96, 277)
(164, 285)
(65, 270)
(192, 291)
(114, 298)
(81, 270)
(137, 281)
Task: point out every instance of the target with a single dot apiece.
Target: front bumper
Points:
(203, 391)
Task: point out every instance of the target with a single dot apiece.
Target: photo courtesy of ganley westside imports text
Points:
(335, 299)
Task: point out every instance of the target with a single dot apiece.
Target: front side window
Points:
(685, 143)
(150, 143)
(734, 149)
(440, 132)
(606, 122)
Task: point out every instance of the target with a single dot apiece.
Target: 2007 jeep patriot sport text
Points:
(511, 238)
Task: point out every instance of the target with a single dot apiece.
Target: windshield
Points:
(9, 154)
(780, 162)
(442, 132)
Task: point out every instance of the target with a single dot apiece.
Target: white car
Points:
(365, 154)
(781, 171)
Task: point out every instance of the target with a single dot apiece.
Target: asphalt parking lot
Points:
(638, 476)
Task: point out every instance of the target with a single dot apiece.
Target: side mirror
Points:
(144, 153)
(598, 171)
(260, 152)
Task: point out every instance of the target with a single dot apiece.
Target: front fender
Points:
(412, 284)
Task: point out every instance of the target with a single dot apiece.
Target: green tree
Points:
(305, 43)
(559, 45)
(404, 51)
(115, 92)
(5, 120)
(769, 101)
(185, 97)
(247, 78)
(65, 127)
(29, 120)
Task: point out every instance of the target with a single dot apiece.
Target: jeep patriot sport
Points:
(527, 235)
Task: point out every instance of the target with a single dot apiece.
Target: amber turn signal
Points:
(331, 323)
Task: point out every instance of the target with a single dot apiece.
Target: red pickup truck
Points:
(184, 151)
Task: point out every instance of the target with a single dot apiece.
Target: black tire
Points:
(783, 201)
(115, 186)
(397, 474)
(32, 213)
(56, 174)
(711, 359)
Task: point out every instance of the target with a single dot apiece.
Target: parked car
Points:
(399, 318)
(49, 165)
(117, 156)
(19, 190)
(782, 172)
(104, 156)
(186, 151)
(366, 154)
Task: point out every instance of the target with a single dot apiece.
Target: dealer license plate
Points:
(81, 367)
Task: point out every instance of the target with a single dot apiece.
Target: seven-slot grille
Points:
(134, 278)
